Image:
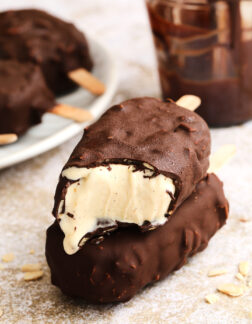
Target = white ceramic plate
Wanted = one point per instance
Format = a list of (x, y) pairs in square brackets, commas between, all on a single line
[(55, 130)]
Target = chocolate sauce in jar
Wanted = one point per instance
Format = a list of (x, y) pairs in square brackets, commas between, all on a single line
[(204, 47)]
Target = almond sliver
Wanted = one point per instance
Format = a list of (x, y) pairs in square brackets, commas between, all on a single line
[(31, 267), (244, 268), (216, 272), (211, 298), (34, 275), (231, 289)]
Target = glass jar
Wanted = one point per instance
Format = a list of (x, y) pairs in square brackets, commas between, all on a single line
[(204, 47)]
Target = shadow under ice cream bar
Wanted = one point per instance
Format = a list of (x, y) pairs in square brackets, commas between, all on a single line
[(135, 165)]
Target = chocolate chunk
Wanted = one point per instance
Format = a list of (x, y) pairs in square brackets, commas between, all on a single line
[(24, 96), (56, 46), (128, 259)]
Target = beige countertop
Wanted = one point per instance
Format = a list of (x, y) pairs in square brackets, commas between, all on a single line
[(26, 199)]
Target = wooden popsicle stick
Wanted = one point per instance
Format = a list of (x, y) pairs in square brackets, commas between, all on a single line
[(189, 102), (86, 80), (77, 114), (221, 157), (225, 153), (81, 115), (8, 138)]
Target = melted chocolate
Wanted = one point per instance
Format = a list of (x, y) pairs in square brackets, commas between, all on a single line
[(117, 266), (24, 96), (206, 53), (56, 46)]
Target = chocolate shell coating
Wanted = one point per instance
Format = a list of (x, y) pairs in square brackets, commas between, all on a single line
[(174, 140), (56, 46), (128, 259), (24, 96)]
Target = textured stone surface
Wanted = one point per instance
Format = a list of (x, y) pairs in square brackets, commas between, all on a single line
[(26, 198)]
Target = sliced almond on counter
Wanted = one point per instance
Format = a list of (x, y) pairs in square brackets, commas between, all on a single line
[(31, 267), (244, 268), (244, 220), (216, 272), (8, 257), (34, 275), (239, 276), (231, 289), (212, 298)]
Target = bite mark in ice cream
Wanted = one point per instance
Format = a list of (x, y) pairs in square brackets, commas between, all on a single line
[(102, 196)]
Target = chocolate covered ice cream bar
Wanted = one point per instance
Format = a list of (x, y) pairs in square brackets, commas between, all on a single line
[(135, 165), (24, 96), (128, 259), (35, 36)]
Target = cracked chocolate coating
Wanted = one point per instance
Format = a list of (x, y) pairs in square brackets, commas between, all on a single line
[(24, 96), (56, 46), (174, 140), (127, 260)]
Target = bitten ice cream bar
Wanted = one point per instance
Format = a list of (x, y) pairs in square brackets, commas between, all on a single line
[(134, 166), (127, 260)]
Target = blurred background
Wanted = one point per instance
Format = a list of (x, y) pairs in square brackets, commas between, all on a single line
[(27, 189), (122, 26)]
